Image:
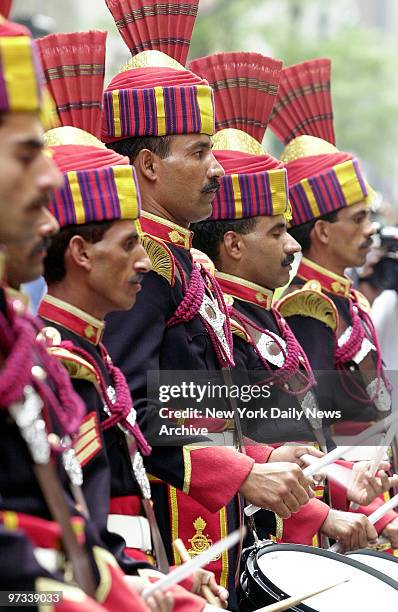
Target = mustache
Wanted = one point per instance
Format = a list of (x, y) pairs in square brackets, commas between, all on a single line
[(288, 260), (136, 278), (42, 245), (212, 185), (366, 244)]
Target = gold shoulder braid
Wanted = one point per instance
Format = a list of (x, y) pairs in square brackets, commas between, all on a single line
[(77, 367), (309, 302), (161, 257)]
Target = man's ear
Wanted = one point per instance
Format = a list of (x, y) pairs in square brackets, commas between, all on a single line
[(233, 245), (147, 164), (79, 252), (321, 231)]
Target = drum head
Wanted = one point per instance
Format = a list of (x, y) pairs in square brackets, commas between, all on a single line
[(382, 562), (292, 569)]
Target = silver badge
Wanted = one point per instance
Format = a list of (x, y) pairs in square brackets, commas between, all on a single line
[(269, 345), (131, 417), (210, 311), (382, 400), (140, 474), (27, 415), (71, 464)]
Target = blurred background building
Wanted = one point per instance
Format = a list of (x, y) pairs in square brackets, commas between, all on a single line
[(361, 37)]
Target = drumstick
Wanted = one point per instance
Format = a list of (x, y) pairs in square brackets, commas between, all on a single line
[(385, 443), (375, 516), (207, 593), (285, 604), (188, 568), (337, 453)]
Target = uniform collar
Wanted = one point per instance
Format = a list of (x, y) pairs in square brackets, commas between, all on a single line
[(333, 283), (245, 290), (72, 318), (166, 230)]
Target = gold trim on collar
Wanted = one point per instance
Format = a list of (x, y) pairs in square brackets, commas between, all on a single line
[(94, 329), (255, 294), (180, 236), (334, 283)]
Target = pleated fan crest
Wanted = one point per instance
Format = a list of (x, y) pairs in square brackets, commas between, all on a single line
[(245, 88), (5, 8), (161, 26), (74, 68), (304, 103)]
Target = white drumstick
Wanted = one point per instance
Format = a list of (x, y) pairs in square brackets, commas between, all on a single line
[(385, 443), (285, 604), (375, 516), (338, 452), (187, 569)]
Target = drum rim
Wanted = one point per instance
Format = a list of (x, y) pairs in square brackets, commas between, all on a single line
[(372, 553), (256, 553)]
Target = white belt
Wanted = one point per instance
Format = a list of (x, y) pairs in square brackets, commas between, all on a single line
[(50, 559), (135, 530)]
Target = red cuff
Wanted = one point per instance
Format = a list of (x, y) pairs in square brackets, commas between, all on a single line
[(217, 474), (302, 526)]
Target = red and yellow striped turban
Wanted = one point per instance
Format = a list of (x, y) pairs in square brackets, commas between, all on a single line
[(21, 76), (245, 87), (155, 95), (322, 179)]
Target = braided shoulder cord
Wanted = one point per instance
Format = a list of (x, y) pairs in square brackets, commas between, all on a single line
[(295, 360), (189, 308), (18, 343), (361, 321), (123, 405)]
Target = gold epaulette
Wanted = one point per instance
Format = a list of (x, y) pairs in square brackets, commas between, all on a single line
[(77, 367), (203, 260), (238, 330), (362, 301), (162, 259), (309, 301)]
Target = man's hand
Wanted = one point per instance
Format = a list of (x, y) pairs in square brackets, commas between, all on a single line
[(158, 601), (203, 577), (365, 488), (280, 487), (390, 532), (350, 530), (293, 453)]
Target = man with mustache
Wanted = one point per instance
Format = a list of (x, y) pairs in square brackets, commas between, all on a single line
[(331, 221), (247, 240), (180, 321), (40, 524)]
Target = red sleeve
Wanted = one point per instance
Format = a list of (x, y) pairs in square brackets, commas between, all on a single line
[(301, 527), (213, 475)]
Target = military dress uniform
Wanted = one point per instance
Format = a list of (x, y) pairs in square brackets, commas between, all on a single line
[(170, 328), (264, 345), (36, 428), (46, 542), (329, 318), (109, 442)]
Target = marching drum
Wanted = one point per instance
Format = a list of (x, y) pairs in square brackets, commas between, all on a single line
[(380, 561), (276, 571)]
